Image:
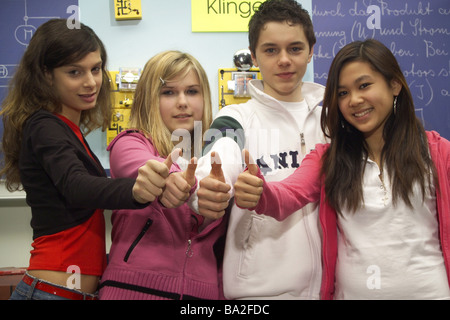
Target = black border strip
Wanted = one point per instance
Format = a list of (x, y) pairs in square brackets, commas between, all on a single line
[(155, 292)]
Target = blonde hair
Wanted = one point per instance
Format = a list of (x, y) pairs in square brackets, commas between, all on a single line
[(145, 115)]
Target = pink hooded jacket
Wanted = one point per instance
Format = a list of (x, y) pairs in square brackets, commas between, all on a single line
[(279, 199), (158, 253)]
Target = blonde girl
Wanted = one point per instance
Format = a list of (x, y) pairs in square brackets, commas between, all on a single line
[(161, 252)]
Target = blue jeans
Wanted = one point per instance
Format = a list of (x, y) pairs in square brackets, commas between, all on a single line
[(24, 291)]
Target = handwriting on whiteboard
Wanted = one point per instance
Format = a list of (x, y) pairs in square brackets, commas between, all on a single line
[(417, 33)]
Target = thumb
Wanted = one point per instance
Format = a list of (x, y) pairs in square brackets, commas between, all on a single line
[(172, 157), (251, 165), (190, 171), (216, 167)]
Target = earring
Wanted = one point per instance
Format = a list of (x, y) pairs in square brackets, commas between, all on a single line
[(395, 104)]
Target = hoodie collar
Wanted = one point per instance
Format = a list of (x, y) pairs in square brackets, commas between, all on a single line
[(312, 93)]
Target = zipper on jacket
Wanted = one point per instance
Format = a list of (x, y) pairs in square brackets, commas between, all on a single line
[(189, 251), (189, 254), (303, 143), (193, 233), (138, 238)]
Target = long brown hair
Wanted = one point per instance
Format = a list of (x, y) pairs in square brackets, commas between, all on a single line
[(53, 45), (405, 150)]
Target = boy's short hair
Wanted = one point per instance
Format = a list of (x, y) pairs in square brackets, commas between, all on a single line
[(279, 11)]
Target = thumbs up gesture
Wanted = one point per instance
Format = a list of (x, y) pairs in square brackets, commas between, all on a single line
[(213, 196), (248, 187), (178, 186), (151, 178)]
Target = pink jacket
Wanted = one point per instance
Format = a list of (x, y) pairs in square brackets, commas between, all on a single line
[(280, 199), (157, 253)]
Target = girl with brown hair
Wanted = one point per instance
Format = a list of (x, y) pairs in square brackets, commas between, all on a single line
[(60, 92), (382, 185)]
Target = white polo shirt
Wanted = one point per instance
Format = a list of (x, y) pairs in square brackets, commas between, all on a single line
[(387, 251)]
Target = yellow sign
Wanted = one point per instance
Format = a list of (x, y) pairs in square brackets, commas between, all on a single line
[(222, 15), (127, 9)]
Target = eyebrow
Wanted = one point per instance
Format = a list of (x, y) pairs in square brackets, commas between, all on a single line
[(77, 65), (358, 80), (296, 43), (166, 86)]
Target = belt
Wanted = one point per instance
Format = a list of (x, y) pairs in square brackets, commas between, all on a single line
[(56, 290)]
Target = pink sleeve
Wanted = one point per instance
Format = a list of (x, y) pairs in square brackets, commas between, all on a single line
[(282, 198), (130, 152)]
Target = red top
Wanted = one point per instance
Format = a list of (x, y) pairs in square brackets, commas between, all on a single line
[(82, 246)]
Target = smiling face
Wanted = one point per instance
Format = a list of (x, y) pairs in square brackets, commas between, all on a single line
[(78, 85), (181, 102), (366, 98), (282, 55)]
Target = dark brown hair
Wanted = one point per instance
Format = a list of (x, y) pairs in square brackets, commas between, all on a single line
[(279, 11), (405, 150), (53, 45)]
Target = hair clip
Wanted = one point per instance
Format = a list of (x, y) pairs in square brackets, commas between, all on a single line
[(162, 81)]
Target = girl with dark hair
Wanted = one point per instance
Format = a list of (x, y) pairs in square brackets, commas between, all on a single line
[(382, 183), (61, 90)]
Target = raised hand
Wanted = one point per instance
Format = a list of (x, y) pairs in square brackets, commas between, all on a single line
[(248, 187), (151, 178), (213, 196), (178, 186)]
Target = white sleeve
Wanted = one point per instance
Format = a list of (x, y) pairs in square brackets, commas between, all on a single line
[(232, 165)]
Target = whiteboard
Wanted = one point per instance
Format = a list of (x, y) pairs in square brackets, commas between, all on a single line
[(418, 34)]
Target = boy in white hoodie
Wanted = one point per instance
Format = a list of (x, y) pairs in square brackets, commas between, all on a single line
[(265, 258)]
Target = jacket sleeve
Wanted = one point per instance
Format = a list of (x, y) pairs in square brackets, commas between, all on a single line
[(440, 153), (68, 168), (227, 140), (129, 152), (282, 198)]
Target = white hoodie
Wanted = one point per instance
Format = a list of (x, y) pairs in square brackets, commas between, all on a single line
[(265, 258)]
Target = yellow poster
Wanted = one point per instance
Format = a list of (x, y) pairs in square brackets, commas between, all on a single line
[(222, 15), (128, 9)]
